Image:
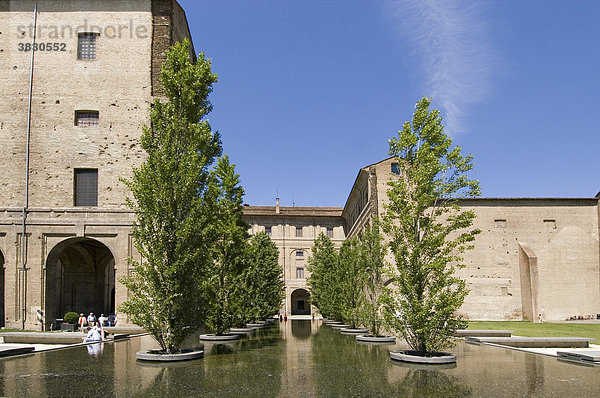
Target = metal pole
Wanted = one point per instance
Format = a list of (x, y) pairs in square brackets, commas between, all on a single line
[(25, 207)]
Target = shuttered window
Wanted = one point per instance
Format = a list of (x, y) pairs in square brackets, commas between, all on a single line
[(86, 187), (86, 46), (86, 118)]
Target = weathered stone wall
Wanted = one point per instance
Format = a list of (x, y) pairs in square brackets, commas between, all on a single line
[(118, 84), (46, 229), (561, 233)]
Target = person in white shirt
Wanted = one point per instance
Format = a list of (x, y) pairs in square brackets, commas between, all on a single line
[(93, 335)]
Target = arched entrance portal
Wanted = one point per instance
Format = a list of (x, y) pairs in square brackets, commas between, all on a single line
[(80, 277), (300, 304), (2, 313)]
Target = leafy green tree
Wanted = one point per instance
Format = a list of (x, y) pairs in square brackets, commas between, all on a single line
[(172, 227), (349, 278), (261, 290), (321, 265), (228, 254), (336, 279), (428, 231), (372, 251)]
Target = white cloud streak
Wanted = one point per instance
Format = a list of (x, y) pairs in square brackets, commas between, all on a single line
[(448, 41)]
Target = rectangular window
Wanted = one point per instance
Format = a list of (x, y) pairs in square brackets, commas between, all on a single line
[(299, 253), (268, 230), (395, 168), (87, 118), (86, 46), (86, 187), (299, 273), (298, 232), (330, 232)]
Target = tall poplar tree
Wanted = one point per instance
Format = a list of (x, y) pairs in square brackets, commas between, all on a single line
[(372, 251), (321, 266), (261, 290), (348, 280), (428, 231), (173, 211), (230, 233)]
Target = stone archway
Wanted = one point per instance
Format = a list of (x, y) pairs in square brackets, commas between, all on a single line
[(300, 303), (2, 310), (80, 277)]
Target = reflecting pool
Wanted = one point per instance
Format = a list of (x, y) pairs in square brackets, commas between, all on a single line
[(292, 359)]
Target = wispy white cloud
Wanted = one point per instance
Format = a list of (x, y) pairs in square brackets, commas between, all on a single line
[(448, 40)]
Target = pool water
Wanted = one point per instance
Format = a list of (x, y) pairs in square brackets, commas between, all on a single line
[(297, 358)]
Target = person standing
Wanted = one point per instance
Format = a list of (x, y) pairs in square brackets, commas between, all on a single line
[(81, 322), (91, 319), (103, 320)]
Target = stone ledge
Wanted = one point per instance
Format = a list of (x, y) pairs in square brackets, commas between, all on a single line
[(43, 338), (483, 333), (534, 342), (588, 356), (9, 351)]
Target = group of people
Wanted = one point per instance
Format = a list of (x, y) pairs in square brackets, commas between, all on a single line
[(583, 317), (94, 327), (91, 320)]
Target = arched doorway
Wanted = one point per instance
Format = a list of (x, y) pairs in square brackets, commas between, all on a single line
[(300, 304), (2, 313), (80, 277)]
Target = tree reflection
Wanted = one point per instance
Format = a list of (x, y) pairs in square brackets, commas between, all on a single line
[(430, 383), (249, 367)]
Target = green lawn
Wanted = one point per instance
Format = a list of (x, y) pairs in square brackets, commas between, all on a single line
[(546, 329)]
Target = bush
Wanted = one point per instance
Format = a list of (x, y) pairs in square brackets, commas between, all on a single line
[(71, 317)]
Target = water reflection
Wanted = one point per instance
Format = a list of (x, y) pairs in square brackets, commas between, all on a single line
[(534, 373), (301, 329), (430, 383), (95, 349), (292, 359)]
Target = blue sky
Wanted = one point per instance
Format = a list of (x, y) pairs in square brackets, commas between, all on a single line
[(310, 91)]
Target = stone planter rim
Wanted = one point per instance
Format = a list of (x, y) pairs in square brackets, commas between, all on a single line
[(411, 357), (354, 330), (222, 337), (186, 354), (242, 330), (255, 325), (369, 338), (340, 326)]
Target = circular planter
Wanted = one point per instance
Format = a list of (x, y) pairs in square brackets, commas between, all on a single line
[(369, 338), (354, 331), (438, 358), (220, 337), (255, 325), (185, 354), (340, 326), (242, 330), (331, 322)]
